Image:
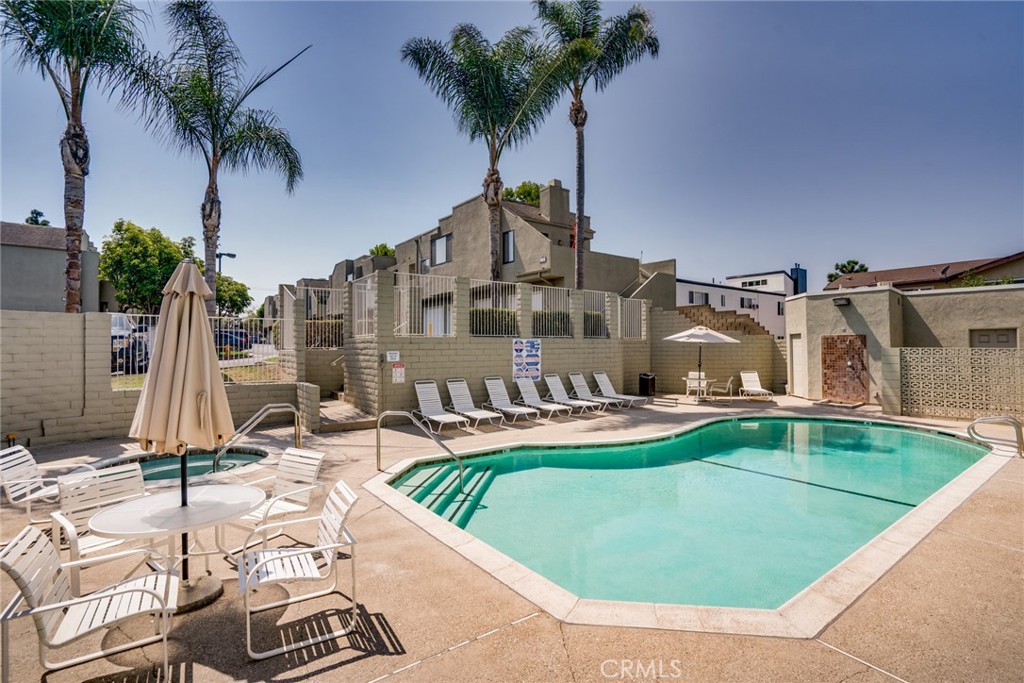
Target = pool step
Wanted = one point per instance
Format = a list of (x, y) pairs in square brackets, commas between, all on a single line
[(437, 489)]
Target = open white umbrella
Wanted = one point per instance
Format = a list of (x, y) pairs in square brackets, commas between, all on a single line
[(183, 402), (701, 335)]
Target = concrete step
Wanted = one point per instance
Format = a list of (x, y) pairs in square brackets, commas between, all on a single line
[(338, 416)]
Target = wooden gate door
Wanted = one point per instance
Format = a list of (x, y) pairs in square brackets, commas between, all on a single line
[(844, 368)]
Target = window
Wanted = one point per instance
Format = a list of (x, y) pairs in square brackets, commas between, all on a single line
[(698, 297), (723, 301), (994, 339), (746, 302), (508, 246), (441, 250), (782, 308), (753, 283)]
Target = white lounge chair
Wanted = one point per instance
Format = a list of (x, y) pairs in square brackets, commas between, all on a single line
[(498, 399), (431, 409), (582, 390), (61, 616), (752, 387), (606, 388), (301, 562), (556, 391), (528, 396), (23, 483), (462, 403)]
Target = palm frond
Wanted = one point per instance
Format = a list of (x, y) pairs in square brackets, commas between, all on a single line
[(256, 141), (626, 39), (201, 39), (263, 77)]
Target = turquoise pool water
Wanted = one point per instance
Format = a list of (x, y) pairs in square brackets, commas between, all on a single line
[(741, 513), (169, 466)]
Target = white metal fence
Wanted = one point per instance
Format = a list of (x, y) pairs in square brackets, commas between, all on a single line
[(494, 311), (551, 317), (324, 317), (364, 306), (595, 314), (631, 319), (249, 350), (424, 305)]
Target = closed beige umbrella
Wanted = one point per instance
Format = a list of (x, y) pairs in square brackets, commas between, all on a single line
[(183, 402)]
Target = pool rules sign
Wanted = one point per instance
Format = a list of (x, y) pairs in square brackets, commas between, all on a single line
[(526, 359)]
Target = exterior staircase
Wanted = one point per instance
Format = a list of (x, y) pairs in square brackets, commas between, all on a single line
[(338, 416), (723, 321)]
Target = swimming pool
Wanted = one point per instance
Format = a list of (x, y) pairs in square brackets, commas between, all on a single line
[(159, 467), (739, 513)]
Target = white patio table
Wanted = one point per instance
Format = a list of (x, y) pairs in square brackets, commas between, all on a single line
[(163, 515)]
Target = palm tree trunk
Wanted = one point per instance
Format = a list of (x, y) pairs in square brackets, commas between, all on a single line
[(210, 210), (492, 195), (74, 153), (578, 117)]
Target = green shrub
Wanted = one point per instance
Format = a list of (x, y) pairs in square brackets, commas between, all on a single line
[(552, 324), (593, 324), (493, 322)]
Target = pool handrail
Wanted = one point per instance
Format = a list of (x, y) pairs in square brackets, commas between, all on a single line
[(251, 423), (425, 430), (1012, 421)]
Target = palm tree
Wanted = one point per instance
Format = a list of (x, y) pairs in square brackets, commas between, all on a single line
[(75, 44), (499, 93), (617, 42), (195, 100), (845, 268)]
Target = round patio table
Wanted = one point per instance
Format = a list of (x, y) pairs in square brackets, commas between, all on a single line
[(163, 515)]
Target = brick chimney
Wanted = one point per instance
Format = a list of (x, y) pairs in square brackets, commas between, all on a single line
[(554, 203)]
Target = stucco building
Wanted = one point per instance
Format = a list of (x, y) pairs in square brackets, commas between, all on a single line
[(32, 261)]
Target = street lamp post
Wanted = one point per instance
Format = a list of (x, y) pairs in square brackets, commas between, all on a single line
[(221, 254)]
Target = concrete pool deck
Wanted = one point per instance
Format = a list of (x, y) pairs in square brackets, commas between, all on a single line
[(950, 609)]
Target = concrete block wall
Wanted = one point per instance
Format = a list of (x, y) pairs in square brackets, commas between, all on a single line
[(319, 370), (55, 381), (361, 365), (889, 392), (308, 402)]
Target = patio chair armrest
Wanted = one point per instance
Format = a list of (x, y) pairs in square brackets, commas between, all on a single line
[(46, 482), (99, 559), (261, 481), (93, 597), (61, 523), (296, 552), (273, 525), (277, 499), (83, 467)]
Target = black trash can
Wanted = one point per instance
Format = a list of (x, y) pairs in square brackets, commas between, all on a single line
[(647, 384)]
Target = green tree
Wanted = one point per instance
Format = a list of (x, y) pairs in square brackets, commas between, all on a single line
[(139, 262), (617, 42), (499, 93), (232, 296), (195, 100), (382, 249), (76, 44), (35, 217), (851, 266), (528, 192)]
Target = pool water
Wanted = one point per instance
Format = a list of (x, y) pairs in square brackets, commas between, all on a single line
[(169, 466), (740, 513)]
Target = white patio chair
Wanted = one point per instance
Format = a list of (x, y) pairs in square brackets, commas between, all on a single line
[(752, 387), (581, 390), (295, 482), (694, 383), (301, 562), (606, 388), (431, 409), (82, 495), (23, 483), (528, 396), (557, 392), (61, 616), (721, 390), (462, 403), (498, 399)]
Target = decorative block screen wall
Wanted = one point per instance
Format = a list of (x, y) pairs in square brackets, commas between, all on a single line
[(963, 383)]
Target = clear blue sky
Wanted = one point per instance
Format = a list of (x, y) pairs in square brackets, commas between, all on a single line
[(766, 133)]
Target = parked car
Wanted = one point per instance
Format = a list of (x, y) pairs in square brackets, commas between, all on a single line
[(129, 345), (234, 340)]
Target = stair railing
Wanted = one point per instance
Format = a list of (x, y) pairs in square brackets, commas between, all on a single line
[(251, 423), (972, 430), (425, 430)]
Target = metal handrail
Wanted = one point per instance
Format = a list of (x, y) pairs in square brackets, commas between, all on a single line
[(251, 423), (1012, 421), (425, 430)]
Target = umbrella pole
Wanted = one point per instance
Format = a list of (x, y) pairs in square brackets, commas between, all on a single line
[(700, 377), (184, 503)]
